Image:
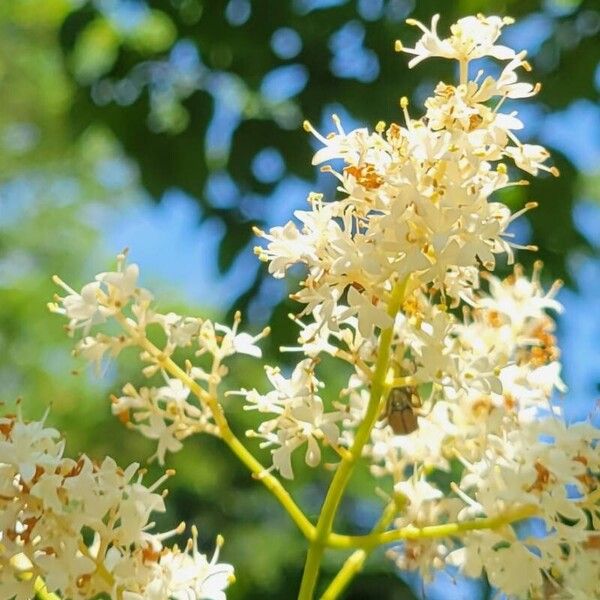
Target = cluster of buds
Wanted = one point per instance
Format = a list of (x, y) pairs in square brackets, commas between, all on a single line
[(451, 372), (80, 529)]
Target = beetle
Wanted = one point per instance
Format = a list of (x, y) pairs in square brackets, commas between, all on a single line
[(400, 410)]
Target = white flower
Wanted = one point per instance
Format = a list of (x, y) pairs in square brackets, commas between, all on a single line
[(472, 37), (476, 552), (121, 285), (286, 246), (356, 147), (84, 310), (180, 331), (507, 84), (418, 492), (190, 575), (412, 214), (30, 445), (175, 392), (520, 299), (231, 342), (530, 158), (369, 315), (157, 429), (239, 343), (300, 417), (508, 561), (65, 565)]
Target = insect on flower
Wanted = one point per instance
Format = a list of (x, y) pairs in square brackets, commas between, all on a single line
[(400, 410)]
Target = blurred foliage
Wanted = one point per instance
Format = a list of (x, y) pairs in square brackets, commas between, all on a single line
[(106, 102), (50, 179)]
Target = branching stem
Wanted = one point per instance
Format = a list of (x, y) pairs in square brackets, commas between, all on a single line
[(379, 536), (321, 536), (235, 445), (344, 471), (410, 532), (354, 563)]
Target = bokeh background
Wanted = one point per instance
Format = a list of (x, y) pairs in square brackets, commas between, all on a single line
[(172, 126)]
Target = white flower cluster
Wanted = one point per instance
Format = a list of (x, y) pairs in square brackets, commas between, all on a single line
[(299, 416), (414, 213), (84, 528), (414, 207), (165, 413), (488, 416), (414, 197)]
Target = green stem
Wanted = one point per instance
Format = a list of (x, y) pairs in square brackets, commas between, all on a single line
[(235, 445), (354, 563), (344, 470), (372, 540)]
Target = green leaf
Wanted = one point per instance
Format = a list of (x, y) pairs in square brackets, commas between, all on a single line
[(96, 50), (588, 187), (156, 33)]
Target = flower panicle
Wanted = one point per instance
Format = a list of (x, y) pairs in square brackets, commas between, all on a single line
[(84, 528), (166, 413)]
